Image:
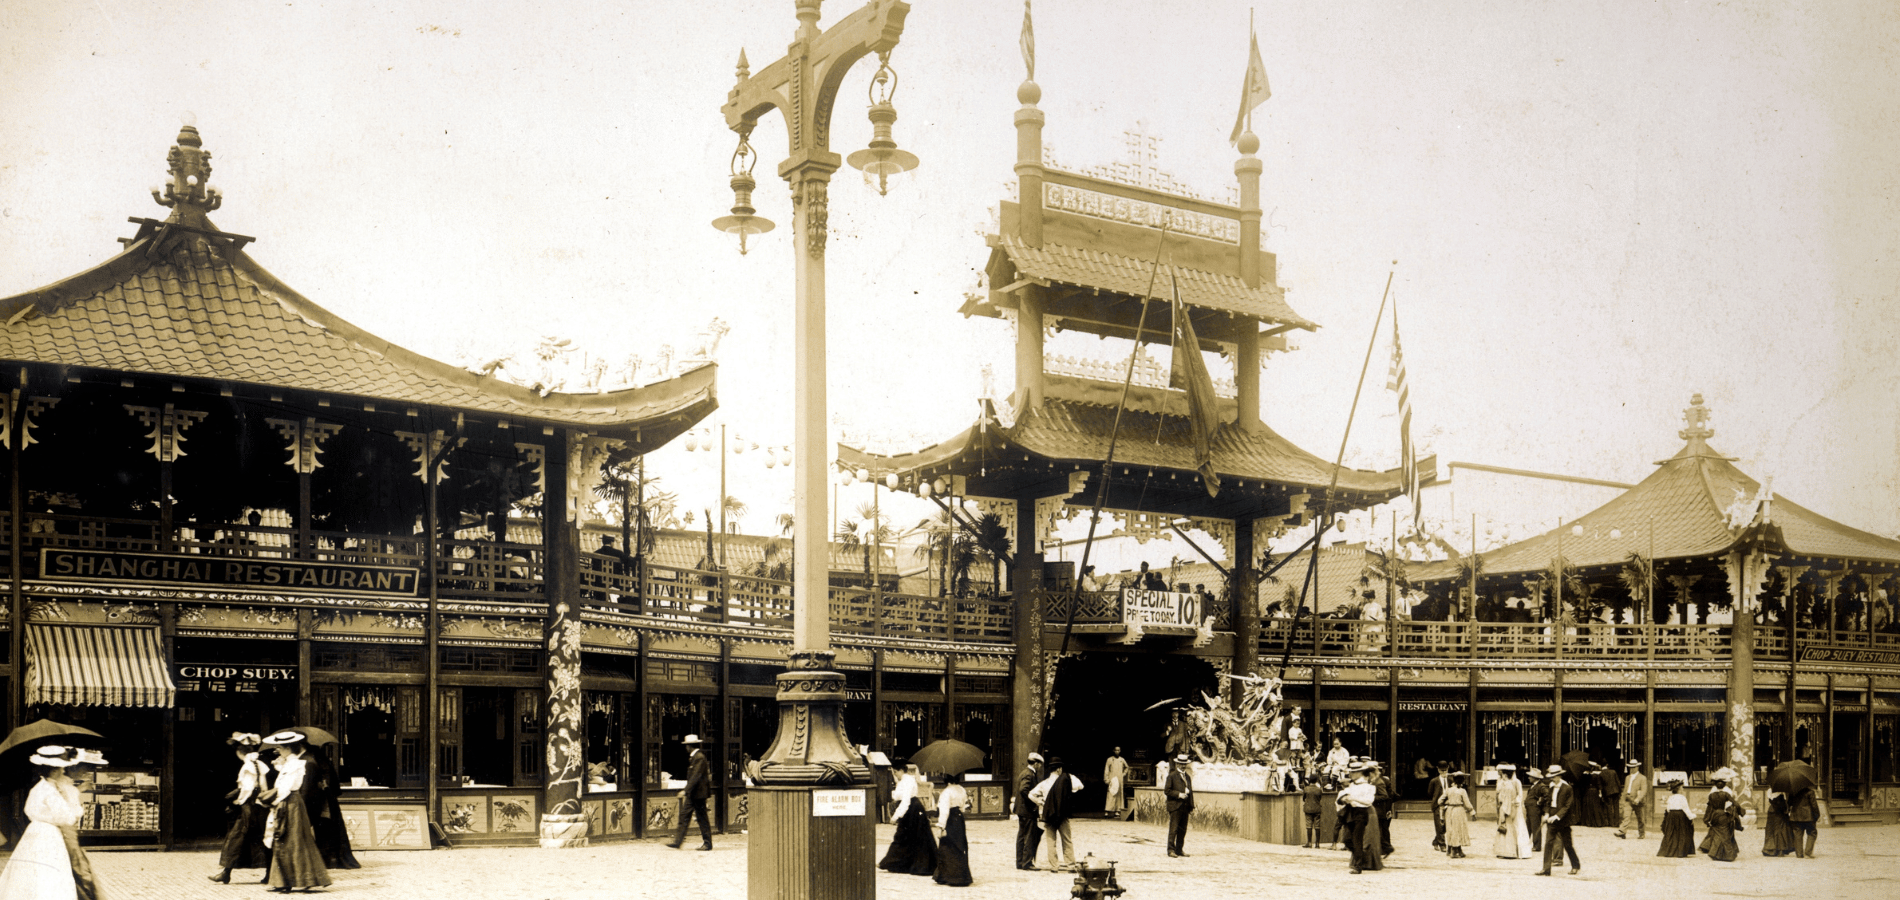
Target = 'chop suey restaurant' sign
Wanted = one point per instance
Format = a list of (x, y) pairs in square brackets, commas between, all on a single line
[(231, 573), (1158, 609)]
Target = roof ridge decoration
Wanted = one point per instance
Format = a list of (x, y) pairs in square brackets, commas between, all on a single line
[(183, 299), (188, 194)]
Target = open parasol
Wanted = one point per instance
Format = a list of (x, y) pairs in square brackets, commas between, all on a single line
[(47, 731), (947, 756), (1792, 777), (316, 736), (1576, 762)]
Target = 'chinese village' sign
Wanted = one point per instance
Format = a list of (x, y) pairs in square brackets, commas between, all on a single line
[(274, 575), (1850, 655)]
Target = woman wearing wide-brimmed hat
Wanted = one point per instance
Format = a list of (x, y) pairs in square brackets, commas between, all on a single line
[(47, 863), (295, 861), (244, 846), (1719, 798), (1678, 827), (1514, 836)]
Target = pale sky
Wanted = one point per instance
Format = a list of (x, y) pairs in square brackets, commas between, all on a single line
[(1597, 209)]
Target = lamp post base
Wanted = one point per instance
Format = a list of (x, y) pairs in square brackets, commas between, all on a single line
[(796, 853)]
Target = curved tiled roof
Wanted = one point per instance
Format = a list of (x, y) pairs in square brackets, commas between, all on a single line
[(1682, 508), (191, 306), (1131, 276), (1068, 431)]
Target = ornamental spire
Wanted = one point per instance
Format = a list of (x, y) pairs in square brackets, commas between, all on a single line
[(1697, 417), (187, 193)]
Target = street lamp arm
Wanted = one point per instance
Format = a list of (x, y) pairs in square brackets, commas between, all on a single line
[(817, 65)]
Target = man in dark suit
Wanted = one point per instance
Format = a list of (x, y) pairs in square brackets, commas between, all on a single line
[(1180, 791), (1534, 798), (1028, 832), (698, 789), (1436, 790), (1560, 812)]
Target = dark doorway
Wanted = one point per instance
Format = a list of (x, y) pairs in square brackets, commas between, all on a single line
[(1605, 747), (487, 747), (1433, 736), (224, 686), (1847, 770), (1102, 701)]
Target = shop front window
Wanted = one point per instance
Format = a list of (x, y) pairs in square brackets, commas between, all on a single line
[(604, 743)]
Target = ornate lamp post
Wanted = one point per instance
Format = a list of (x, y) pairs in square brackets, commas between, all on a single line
[(812, 821)]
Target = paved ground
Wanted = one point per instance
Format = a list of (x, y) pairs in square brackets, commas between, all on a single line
[(1853, 863)]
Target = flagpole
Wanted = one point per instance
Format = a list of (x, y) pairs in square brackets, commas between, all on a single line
[(1114, 431)]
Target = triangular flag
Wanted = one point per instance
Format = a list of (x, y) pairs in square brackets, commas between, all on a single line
[(1252, 93), (1029, 42)]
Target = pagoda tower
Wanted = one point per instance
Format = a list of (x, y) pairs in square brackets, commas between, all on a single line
[(1101, 254)]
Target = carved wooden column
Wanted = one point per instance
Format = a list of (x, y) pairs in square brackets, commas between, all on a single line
[(569, 479), (1747, 572)]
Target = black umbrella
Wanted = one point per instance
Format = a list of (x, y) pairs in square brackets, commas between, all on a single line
[(1792, 777), (947, 756), (1576, 762), (47, 731), (23, 741)]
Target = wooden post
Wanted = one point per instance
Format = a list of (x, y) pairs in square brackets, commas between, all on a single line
[(16, 503), (952, 726), (168, 780), (306, 629), (727, 728), (1649, 722), (563, 823), (638, 771), (1244, 610), (1030, 701), (1557, 715), (431, 635)]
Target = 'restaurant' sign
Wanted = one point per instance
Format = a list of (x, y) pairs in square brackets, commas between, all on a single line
[(1155, 609), (1850, 655), (235, 573)]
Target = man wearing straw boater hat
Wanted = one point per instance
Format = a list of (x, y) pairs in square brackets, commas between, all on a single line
[(1560, 812), (1635, 798), (693, 797)]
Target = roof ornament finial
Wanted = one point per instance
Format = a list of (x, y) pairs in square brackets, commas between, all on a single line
[(1697, 417), (188, 191)]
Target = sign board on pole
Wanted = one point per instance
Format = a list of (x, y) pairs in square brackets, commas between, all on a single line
[(837, 803)]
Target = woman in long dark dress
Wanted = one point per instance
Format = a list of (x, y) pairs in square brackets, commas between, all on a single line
[(1678, 827), (326, 816), (1723, 823), (244, 842), (953, 850), (1594, 813), (1777, 838), (294, 861), (913, 851), (1719, 797), (1356, 811)]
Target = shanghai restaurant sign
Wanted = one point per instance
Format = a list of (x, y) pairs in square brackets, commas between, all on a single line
[(229, 573), (1158, 609), (1850, 655)]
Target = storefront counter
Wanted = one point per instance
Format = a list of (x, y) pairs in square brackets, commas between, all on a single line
[(384, 819), (489, 814)]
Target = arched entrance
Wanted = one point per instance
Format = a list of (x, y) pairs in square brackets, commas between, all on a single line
[(1102, 701)]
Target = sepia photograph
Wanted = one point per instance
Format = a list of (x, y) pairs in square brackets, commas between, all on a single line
[(801, 449)]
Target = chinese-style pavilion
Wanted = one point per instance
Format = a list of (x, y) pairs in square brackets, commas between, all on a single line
[(1810, 654), (1082, 252)]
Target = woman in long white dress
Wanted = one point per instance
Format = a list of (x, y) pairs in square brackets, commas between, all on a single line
[(47, 863), (1514, 836)]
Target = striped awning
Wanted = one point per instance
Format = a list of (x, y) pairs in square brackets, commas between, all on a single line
[(103, 665)]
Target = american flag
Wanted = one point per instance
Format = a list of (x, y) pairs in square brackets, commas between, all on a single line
[(1395, 381)]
